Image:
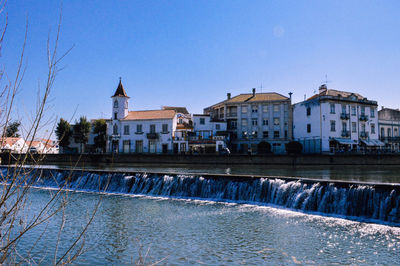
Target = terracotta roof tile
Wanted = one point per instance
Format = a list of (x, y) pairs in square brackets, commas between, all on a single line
[(9, 141), (181, 110), (336, 93), (150, 115)]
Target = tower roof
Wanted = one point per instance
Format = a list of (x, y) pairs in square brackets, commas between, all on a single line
[(120, 90)]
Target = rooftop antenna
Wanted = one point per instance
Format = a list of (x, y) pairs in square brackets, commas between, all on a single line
[(326, 80)]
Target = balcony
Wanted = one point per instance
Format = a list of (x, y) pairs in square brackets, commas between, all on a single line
[(363, 135), (344, 116), (390, 139), (345, 134), (152, 135), (231, 115), (363, 117)]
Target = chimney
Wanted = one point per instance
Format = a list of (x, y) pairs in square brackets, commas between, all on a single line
[(323, 88), (254, 92), (228, 95)]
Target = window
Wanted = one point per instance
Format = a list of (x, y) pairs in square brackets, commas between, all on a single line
[(333, 125), (353, 110), (202, 121), (372, 128), (389, 132), (396, 133), (276, 134), (343, 109), (276, 107), (217, 127), (265, 122), (254, 134), (115, 104), (254, 108), (353, 127), (152, 128), (265, 108), (362, 110), (286, 134), (233, 124), (344, 126), (265, 134), (115, 115), (363, 128), (165, 128), (332, 108), (276, 121), (382, 132), (126, 130), (139, 128), (139, 146), (244, 122), (244, 109), (308, 111), (372, 112), (308, 128), (254, 122), (180, 121), (115, 129)]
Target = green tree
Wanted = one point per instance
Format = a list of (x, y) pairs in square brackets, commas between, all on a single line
[(12, 129), (81, 132), (100, 140), (63, 133)]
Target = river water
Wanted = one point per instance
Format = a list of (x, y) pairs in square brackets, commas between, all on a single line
[(184, 231)]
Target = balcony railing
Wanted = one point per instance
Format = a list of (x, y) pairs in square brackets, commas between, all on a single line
[(152, 135), (363, 117), (345, 116), (390, 139), (231, 114), (363, 135), (345, 133)]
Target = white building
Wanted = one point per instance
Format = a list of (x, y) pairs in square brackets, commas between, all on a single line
[(209, 135), (333, 120), (15, 145), (389, 128), (150, 131), (253, 119)]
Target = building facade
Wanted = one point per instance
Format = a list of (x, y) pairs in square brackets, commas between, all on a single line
[(334, 121), (149, 131), (389, 128), (254, 119), (209, 135)]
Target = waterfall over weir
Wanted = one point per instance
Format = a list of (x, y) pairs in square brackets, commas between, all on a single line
[(379, 202)]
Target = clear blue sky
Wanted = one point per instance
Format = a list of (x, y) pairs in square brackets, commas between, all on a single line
[(191, 53)]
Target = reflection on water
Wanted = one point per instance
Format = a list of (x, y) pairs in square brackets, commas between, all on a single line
[(186, 232), (385, 174)]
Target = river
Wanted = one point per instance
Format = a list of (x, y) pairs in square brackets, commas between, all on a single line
[(185, 231)]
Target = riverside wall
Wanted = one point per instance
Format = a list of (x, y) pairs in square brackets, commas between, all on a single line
[(270, 159)]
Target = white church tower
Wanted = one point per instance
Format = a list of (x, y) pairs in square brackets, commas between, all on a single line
[(119, 103)]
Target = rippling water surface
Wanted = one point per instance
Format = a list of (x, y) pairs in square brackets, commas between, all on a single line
[(182, 232)]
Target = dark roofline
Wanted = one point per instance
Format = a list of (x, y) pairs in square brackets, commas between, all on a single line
[(120, 92), (250, 94)]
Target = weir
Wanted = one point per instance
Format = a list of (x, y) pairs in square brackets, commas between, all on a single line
[(352, 200)]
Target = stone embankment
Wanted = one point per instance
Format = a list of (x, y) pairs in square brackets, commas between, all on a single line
[(270, 159)]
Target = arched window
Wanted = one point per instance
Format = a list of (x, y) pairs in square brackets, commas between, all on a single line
[(115, 129), (126, 104), (115, 104)]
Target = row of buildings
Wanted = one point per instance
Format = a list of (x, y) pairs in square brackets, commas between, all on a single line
[(20, 145), (329, 121)]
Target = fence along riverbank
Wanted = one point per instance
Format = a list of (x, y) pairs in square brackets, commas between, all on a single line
[(352, 200)]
